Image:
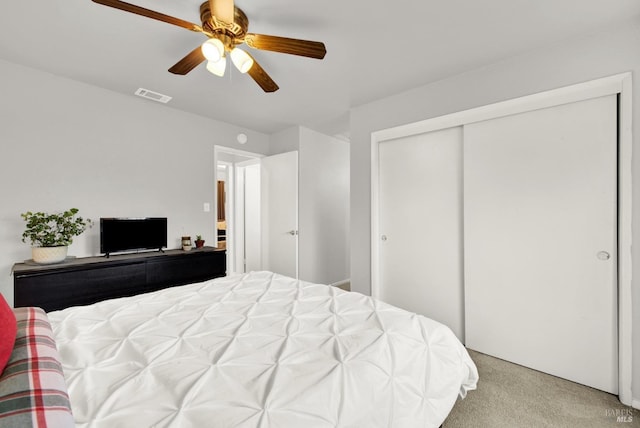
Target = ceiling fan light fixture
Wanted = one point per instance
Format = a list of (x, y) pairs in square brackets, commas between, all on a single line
[(213, 49), (217, 67), (226, 26), (241, 60)]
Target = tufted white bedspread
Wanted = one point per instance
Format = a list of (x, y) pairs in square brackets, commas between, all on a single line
[(258, 350)]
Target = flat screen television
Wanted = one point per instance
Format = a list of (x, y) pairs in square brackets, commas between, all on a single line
[(129, 234)]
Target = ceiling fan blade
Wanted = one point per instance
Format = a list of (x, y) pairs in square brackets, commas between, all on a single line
[(127, 7), (189, 62), (261, 77), (223, 10), (286, 45)]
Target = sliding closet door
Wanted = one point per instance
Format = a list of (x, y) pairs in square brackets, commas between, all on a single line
[(420, 223), (540, 240)]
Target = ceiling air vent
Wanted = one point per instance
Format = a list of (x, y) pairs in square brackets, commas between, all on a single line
[(155, 96)]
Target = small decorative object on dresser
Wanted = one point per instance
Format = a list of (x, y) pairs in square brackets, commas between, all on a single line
[(51, 234), (199, 241), (186, 243)]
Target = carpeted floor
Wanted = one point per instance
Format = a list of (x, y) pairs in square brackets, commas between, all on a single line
[(512, 396)]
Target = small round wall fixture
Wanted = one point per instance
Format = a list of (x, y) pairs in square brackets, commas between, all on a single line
[(242, 138)]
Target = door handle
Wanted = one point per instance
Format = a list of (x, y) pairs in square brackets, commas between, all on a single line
[(603, 255), (293, 232)]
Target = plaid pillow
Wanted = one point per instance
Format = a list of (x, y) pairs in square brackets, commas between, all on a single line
[(33, 392)]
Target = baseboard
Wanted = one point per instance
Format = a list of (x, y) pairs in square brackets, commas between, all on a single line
[(345, 284), (635, 404)]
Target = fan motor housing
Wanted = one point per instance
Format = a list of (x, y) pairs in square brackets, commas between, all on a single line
[(237, 29)]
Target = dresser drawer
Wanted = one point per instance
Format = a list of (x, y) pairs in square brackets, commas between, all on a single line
[(55, 290)]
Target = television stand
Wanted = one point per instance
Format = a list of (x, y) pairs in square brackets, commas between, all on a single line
[(86, 280)]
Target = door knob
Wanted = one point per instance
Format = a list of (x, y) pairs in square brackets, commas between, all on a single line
[(293, 232), (603, 255), (383, 237)]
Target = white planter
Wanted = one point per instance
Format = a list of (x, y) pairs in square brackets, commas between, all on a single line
[(47, 255)]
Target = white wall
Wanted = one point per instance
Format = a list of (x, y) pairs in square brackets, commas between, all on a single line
[(574, 61), (287, 140), (323, 213), (65, 144)]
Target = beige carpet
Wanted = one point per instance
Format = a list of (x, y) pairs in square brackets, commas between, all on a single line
[(513, 396)]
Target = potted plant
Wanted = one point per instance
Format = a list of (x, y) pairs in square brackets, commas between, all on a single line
[(199, 241), (51, 234)]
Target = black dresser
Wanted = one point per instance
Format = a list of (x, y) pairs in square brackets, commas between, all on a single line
[(86, 280)]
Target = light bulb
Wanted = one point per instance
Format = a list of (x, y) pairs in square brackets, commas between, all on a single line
[(217, 67), (241, 60), (213, 49)]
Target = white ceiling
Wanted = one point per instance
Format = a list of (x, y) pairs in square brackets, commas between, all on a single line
[(374, 49)]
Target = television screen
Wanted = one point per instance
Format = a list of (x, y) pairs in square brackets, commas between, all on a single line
[(127, 234)]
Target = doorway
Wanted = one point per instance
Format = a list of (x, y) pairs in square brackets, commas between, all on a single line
[(260, 210), (222, 182), (229, 227)]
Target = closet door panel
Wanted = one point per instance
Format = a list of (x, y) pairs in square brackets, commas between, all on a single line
[(540, 240), (420, 223)]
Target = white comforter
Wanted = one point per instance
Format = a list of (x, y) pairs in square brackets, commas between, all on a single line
[(258, 350)]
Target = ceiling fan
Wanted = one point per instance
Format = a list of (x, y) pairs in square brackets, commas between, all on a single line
[(226, 27)]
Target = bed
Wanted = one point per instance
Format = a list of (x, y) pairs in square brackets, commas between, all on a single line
[(258, 350)]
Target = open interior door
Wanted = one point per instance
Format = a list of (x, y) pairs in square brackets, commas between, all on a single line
[(279, 213), (267, 214)]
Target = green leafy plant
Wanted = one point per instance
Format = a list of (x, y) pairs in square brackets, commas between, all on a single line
[(198, 237), (52, 230)]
